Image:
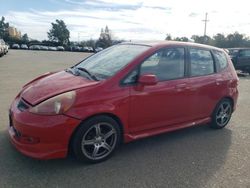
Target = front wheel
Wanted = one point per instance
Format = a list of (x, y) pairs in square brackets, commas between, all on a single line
[(222, 114), (96, 139)]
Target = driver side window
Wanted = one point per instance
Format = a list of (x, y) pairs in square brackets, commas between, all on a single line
[(166, 64)]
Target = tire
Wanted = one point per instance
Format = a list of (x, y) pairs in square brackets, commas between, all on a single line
[(222, 114), (96, 139)]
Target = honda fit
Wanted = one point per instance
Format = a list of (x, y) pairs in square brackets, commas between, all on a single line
[(123, 93)]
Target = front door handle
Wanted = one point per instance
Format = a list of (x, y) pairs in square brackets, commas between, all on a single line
[(180, 87)]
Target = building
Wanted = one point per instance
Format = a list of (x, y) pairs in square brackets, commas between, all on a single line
[(14, 33)]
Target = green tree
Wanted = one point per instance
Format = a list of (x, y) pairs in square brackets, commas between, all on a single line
[(168, 37), (220, 40), (235, 40), (4, 29), (25, 38), (59, 33), (105, 39), (202, 39)]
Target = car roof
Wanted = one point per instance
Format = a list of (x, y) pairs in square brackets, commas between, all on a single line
[(170, 43)]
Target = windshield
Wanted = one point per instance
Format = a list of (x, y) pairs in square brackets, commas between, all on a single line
[(108, 62)]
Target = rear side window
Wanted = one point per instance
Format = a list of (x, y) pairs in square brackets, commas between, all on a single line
[(221, 60), (201, 62)]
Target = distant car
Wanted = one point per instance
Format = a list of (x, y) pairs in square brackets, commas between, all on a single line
[(16, 46), (3, 48), (44, 47), (34, 47), (91, 49), (52, 48), (127, 92), (24, 47), (240, 58), (85, 49), (60, 48), (76, 49), (98, 49)]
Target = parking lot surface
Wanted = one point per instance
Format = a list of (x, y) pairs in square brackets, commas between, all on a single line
[(193, 157)]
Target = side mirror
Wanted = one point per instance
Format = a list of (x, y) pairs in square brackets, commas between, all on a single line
[(148, 79)]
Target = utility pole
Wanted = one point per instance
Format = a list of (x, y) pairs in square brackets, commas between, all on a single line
[(205, 29)]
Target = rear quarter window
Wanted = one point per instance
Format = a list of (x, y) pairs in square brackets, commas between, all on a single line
[(221, 60)]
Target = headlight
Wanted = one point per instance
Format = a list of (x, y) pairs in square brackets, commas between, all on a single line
[(55, 105)]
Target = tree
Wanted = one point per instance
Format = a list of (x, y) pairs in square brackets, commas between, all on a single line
[(25, 38), (219, 40), (105, 39), (4, 29), (168, 37), (235, 39), (202, 39), (59, 33)]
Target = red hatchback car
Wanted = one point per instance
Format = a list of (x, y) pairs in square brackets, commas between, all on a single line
[(126, 92)]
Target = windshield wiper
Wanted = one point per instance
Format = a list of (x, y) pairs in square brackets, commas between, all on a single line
[(86, 71), (70, 71)]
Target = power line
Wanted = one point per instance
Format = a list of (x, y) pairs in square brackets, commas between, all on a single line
[(206, 20)]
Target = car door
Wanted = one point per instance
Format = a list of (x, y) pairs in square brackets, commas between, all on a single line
[(165, 103), (204, 82)]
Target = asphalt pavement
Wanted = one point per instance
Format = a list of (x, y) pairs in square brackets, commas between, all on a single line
[(193, 157)]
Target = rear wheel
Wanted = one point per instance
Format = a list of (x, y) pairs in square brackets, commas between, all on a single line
[(222, 114), (96, 139)]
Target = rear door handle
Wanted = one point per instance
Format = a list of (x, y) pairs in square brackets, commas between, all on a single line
[(218, 81)]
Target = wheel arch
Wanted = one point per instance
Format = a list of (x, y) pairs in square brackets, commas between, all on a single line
[(113, 116)]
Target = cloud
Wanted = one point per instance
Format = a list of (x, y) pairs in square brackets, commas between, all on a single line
[(193, 14), (137, 19)]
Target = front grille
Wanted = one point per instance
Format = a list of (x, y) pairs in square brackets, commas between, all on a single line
[(22, 106)]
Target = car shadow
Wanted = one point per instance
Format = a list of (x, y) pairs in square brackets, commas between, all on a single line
[(185, 158)]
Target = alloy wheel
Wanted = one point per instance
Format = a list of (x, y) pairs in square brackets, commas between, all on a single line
[(99, 141), (223, 114)]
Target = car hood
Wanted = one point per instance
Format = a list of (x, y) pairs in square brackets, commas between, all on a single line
[(53, 84)]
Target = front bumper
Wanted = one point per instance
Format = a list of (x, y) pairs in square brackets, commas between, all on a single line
[(39, 136)]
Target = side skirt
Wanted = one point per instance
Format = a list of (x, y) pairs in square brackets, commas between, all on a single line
[(151, 132)]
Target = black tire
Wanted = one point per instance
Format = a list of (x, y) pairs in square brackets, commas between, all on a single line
[(96, 139), (222, 114)]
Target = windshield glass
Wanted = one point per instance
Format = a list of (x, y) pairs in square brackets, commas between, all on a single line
[(108, 62)]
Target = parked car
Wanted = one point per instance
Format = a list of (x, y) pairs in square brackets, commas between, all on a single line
[(126, 92), (60, 48), (98, 49), (84, 49), (240, 58), (2, 47), (52, 48), (76, 49), (34, 47), (44, 47), (24, 47), (16, 46)]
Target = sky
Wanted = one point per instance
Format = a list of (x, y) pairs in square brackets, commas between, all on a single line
[(128, 19)]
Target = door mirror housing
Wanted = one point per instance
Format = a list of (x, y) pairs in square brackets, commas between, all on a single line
[(148, 79)]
